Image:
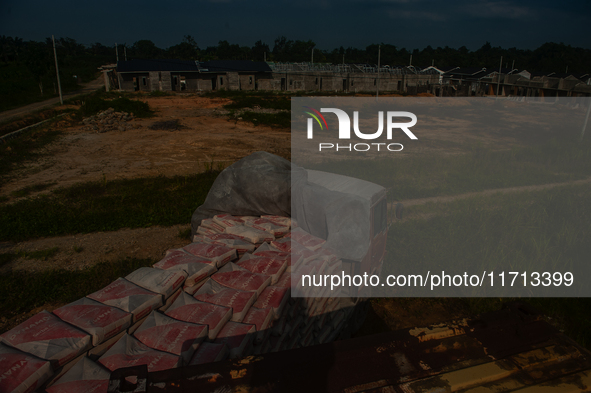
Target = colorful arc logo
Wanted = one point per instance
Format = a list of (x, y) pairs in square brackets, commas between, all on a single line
[(316, 117)]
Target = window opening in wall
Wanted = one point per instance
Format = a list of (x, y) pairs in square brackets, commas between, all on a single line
[(221, 80), (250, 80), (144, 80)]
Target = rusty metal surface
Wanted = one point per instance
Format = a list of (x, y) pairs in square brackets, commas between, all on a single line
[(509, 350)]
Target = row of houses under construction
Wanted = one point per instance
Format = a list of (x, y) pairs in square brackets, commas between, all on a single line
[(195, 76)]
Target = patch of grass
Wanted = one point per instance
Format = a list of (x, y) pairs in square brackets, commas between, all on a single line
[(279, 119), (78, 249), (6, 258), (40, 254), (22, 291), (529, 231), (185, 234), (477, 170), (27, 147), (95, 104), (25, 191), (4, 198), (106, 206)]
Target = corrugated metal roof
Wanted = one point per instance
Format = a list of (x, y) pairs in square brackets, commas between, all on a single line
[(193, 66), (156, 65), (235, 66)]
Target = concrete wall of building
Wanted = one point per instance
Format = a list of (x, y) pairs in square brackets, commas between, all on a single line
[(142, 80), (351, 82)]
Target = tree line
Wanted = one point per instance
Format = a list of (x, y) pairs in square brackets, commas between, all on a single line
[(28, 66)]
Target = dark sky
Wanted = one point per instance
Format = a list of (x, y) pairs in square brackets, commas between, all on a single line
[(329, 23)]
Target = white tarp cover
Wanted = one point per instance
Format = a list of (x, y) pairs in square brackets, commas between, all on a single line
[(238, 301), (188, 309), (164, 282), (332, 207), (86, 376), (100, 320), (21, 372), (169, 335), (48, 337), (129, 351), (128, 297), (234, 276), (196, 268)]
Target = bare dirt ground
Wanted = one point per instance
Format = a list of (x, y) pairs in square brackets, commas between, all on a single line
[(207, 138)]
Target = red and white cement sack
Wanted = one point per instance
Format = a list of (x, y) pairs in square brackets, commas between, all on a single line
[(86, 376), (169, 335), (268, 266), (128, 297), (305, 239), (188, 309), (236, 277), (298, 251), (99, 320), (129, 351), (238, 301), (206, 231), (267, 226), (280, 220), (274, 298), (216, 253), (227, 220), (21, 372), (164, 282), (210, 353), (261, 319), (265, 250), (237, 336), (48, 337), (211, 224), (255, 236), (238, 243), (196, 268)]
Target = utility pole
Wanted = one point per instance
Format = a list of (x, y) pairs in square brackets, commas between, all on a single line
[(499, 77), (125, 52), (116, 52), (378, 78), (513, 65), (265, 57), (410, 62), (57, 72), (312, 56)]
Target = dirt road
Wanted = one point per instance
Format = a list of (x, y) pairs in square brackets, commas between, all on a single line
[(24, 110)]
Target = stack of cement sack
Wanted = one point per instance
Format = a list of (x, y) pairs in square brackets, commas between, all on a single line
[(228, 294)]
